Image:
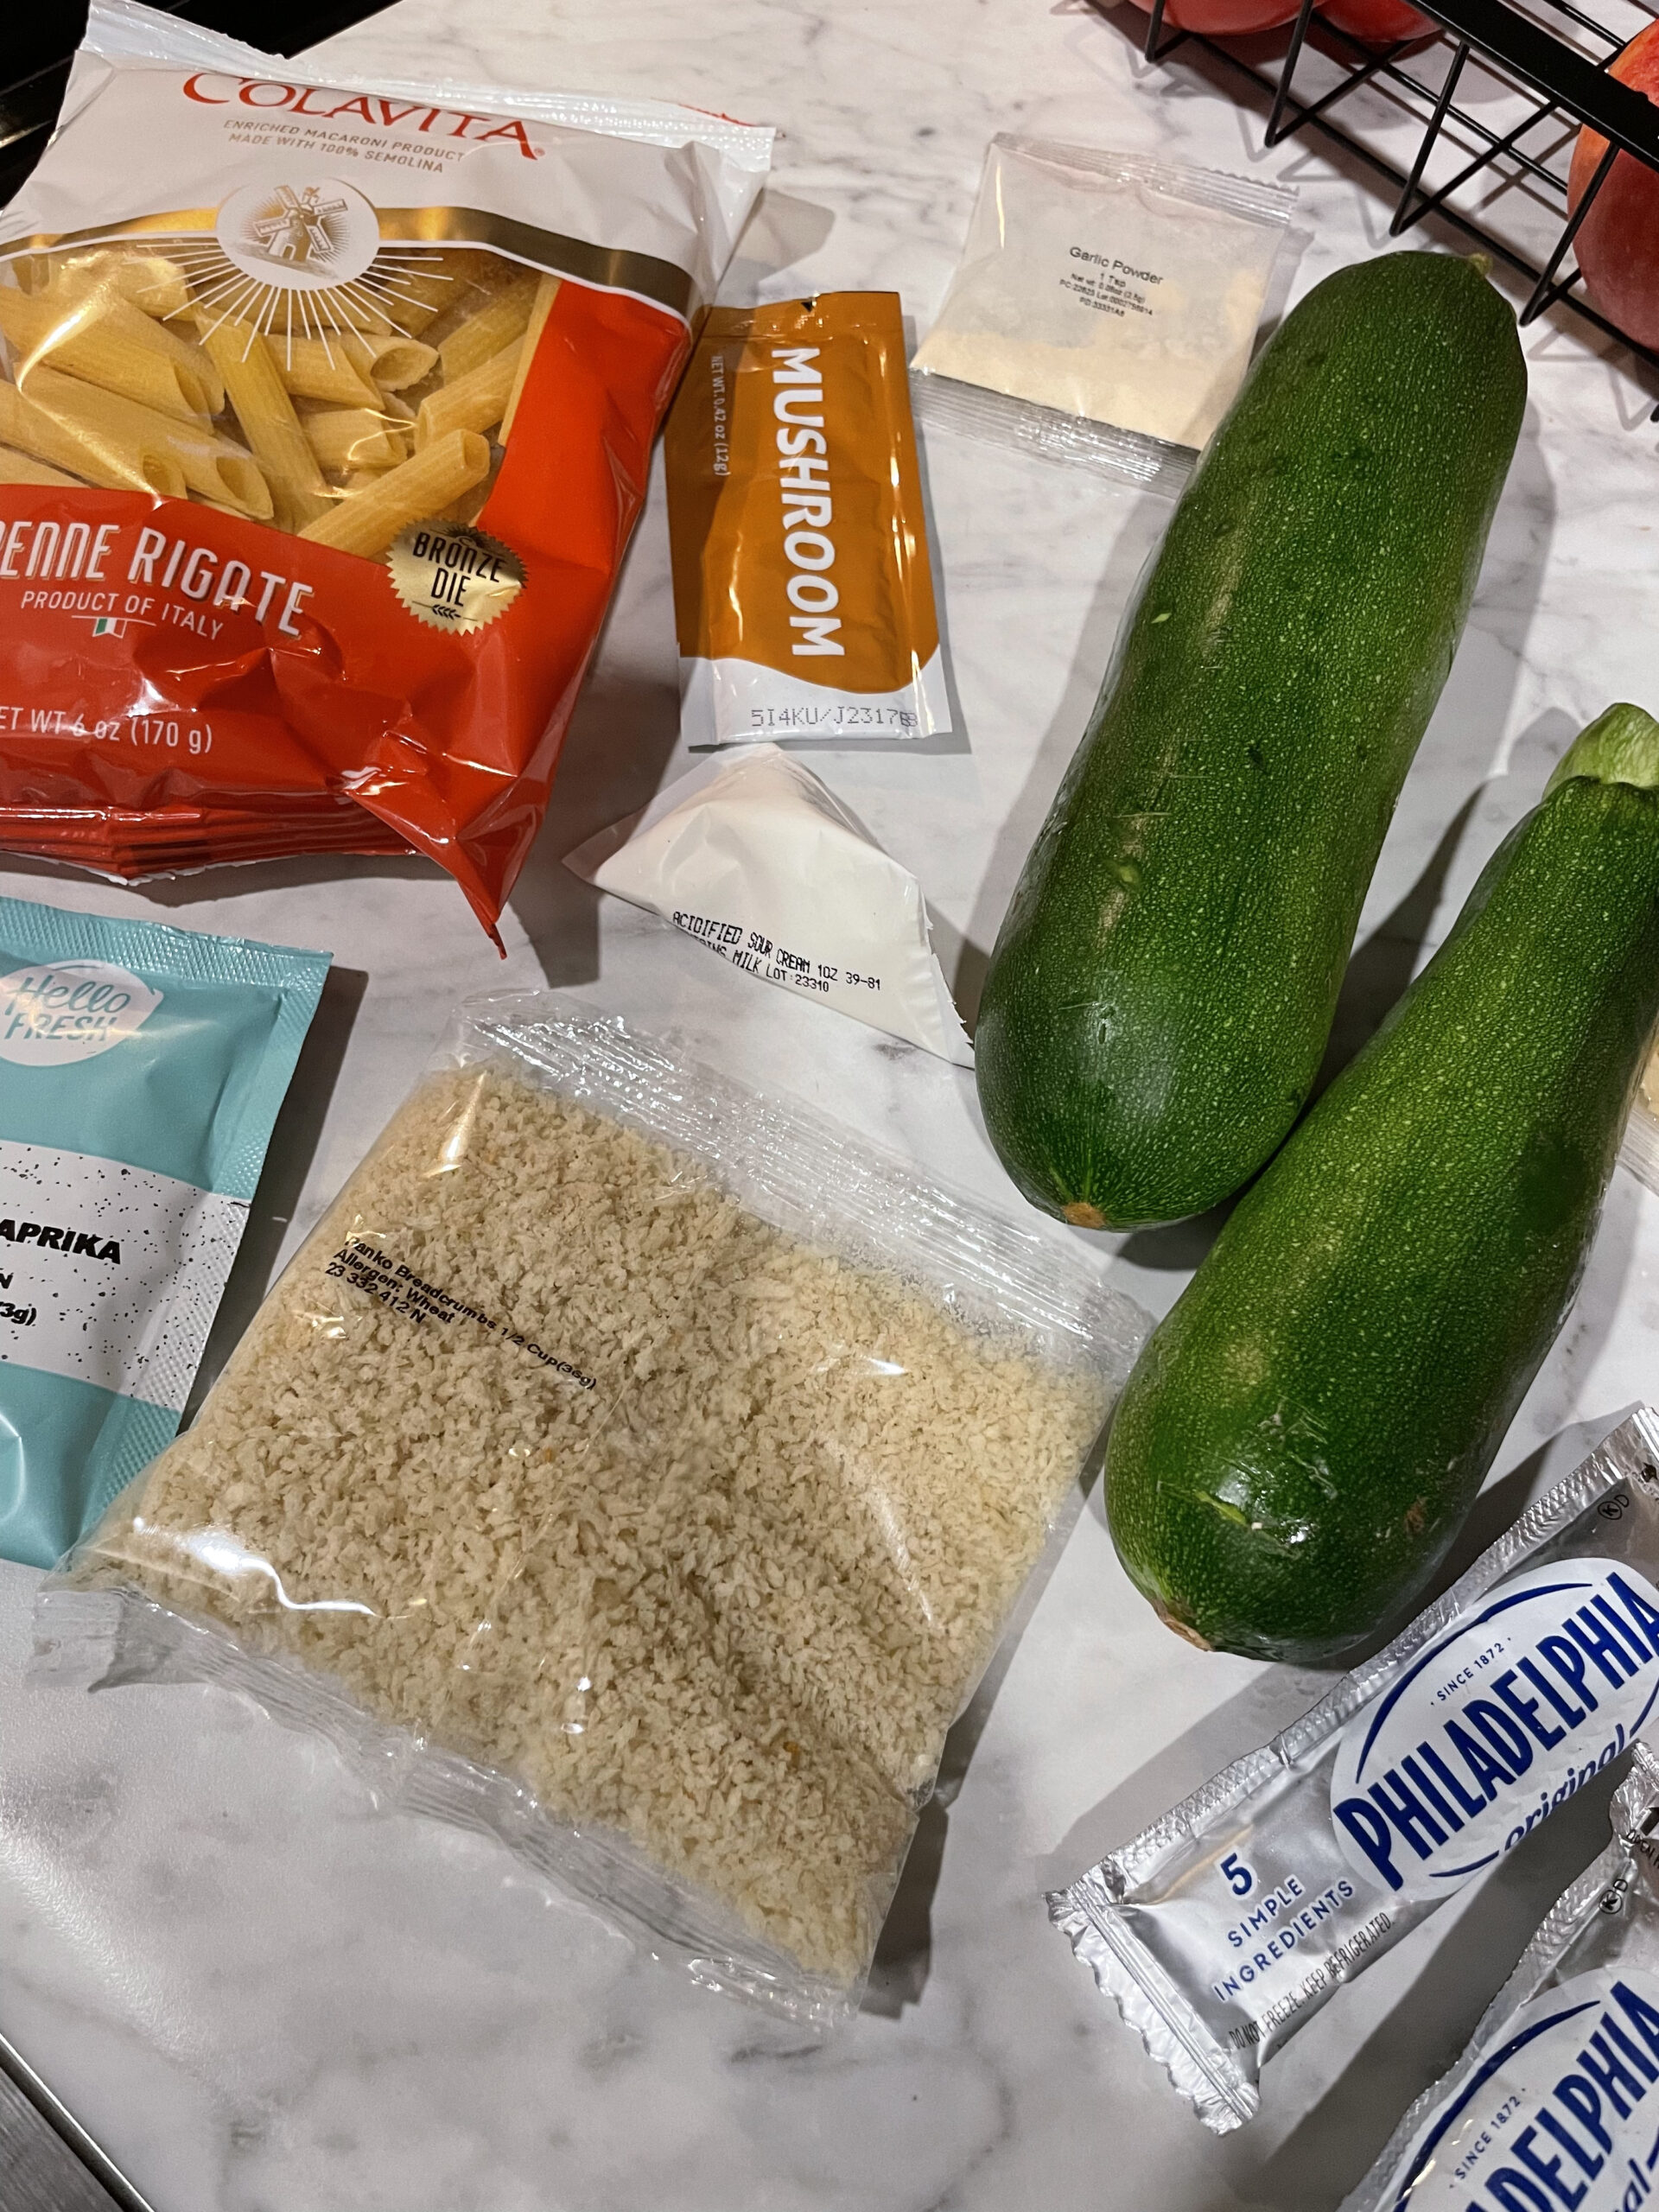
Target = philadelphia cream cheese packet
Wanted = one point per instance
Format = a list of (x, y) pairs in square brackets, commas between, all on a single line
[(1554, 2106), (1225, 1926)]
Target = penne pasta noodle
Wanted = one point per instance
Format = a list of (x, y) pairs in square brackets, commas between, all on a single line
[(18, 468), (110, 342), (547, 291), (476, 401), (354, 437), (149, 281), (395, 362), (367, 522), (350, 370), (468, 507), (311, 370), (113, 440), (153, 283), (496, 324), (441, 289), (269, 423), (358, 314), (32, 271), (119, 464)]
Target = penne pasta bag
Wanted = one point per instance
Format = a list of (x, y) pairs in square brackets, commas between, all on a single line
[(326, 414)]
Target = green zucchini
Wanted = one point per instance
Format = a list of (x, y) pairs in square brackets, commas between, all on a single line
[(1305, 1430), (1160, 994)]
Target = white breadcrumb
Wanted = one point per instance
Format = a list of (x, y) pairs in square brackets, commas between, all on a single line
[(721, 1583)]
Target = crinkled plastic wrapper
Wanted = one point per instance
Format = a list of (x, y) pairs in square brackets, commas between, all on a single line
[(1104, 308), (1223, 1930), (326, 414), (636, 1467), (1555, 2103), (1640, 1150)]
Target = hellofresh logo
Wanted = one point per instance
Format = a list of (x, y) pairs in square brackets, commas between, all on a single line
[(54, 1013)]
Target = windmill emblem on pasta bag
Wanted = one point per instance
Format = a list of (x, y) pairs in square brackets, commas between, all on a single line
[(296, 228), (280, 236)]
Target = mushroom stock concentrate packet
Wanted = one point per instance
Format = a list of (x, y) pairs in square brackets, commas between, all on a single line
[(326, 414), (1225, 1926), (803, 595), (141, 1072)]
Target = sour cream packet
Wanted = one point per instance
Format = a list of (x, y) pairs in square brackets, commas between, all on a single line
[(1226, 1926), (762, 863), (1553, 2103), (141, 1071)]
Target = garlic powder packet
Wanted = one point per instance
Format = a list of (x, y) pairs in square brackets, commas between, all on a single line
[(1104, 306), (762, 862)]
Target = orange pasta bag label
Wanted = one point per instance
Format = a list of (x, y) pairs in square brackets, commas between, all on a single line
[(803, 598), (325, 416)]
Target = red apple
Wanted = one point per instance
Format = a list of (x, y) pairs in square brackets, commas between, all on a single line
[(1225, 18), (1618, 243), (1377, 22)]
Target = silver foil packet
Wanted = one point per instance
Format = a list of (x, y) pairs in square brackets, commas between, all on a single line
[(1225, 1926), (1554, 2106)]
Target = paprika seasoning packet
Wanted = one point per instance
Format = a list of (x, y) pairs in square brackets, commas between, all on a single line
[(803, 594), (326, 413), (141, 1069)]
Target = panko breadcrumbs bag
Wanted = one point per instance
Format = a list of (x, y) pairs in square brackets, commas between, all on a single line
[(664, 1460)]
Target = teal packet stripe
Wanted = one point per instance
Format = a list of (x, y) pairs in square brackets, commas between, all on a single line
[(127, 1157)]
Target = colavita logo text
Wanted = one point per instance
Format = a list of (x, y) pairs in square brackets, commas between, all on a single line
[(214, 90)]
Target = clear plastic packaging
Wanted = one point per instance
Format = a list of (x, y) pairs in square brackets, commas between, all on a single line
[(636, 1467), (1225, 1928), (1640, 1150), (1553, 2105), (325, 414), (1104, 308)]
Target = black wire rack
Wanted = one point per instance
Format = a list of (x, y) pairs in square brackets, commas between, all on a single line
[(1484, 64)]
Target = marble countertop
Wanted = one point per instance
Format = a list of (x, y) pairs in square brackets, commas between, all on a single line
[(266, 1995)]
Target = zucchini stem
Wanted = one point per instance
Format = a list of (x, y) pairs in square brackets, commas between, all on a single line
[(1621, 746)]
